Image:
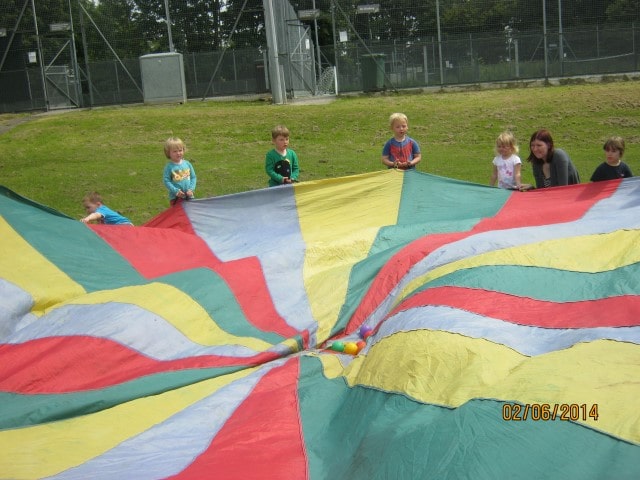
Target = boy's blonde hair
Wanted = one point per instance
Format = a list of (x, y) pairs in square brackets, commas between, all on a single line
[(507, 139), (173, 143), (93, 197), (614, 143), (279, 130), (397, 117)]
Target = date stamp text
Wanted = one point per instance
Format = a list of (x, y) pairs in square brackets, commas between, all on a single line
[(549, 412)]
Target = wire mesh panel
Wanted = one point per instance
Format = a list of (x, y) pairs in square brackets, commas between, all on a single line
[(32, 47), (449, 42), (65, 53)]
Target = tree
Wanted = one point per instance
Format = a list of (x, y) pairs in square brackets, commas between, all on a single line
[(623, 11), (250, 29), (115, 21)]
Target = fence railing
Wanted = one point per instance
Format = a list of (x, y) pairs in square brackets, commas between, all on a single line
[(374, 66)]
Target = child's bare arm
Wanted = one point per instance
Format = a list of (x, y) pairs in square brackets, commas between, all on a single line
[(92, 217)]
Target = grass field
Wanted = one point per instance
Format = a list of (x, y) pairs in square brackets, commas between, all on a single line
[(56, 158)]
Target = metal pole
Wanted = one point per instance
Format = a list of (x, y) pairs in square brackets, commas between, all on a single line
[(560, 38), (224, 50), (425, 61), (235, 67), (275, 73), (195, 70), (40, 58), (633, 41), (439, 41), (544, 39), (166, 9), (335, 44), (13, 34), (115, 54), (85, 48), (315, 27), (74, 60)]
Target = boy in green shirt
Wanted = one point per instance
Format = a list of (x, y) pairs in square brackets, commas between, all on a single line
[(281, 163)]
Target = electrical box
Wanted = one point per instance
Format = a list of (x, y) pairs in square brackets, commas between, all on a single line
[(163, 78)]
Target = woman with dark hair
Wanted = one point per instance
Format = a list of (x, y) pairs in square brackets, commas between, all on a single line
[(551, 166)]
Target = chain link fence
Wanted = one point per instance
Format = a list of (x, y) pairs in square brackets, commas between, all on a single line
[(83, 53)]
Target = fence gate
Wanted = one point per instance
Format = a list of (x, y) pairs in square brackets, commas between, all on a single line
[(59, 66), (291, 52), (301, 60)]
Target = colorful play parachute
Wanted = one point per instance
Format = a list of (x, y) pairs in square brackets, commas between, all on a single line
[(381, 326)]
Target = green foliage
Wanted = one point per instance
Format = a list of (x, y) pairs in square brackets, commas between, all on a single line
[(623, 10), (137, 27), (55, 159)]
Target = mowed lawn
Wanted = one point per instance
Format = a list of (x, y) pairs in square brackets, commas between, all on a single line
[(56, 158)]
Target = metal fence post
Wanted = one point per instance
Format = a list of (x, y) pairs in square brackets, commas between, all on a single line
[(560, 38), (439, 41), (170, 38), (85, 49), (544, 39), (40, 57)]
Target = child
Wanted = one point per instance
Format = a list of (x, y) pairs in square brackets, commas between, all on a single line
[(281, 163), (179, 175), (507, 165), (101, 213), (401, 151), (613, 167)]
